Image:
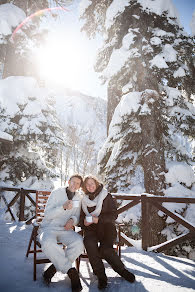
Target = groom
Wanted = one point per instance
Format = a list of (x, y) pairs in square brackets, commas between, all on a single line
[(61, 215)]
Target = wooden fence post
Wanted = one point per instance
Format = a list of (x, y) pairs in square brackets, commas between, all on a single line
[(22, 204), (145, 222), (7, 205)]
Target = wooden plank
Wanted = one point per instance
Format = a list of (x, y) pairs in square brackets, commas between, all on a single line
[(32, 201), (43, 199), (123, 240), (40, 210), (44, 202), (38, 250), (42, 261), (35, 254), (84, 255), (17, 189), (175, 217), (175, 241), (12, 202), (30, 242), (129, 205), (172, 199), (41, 206), (29, 221), (22, 205), (29, 191), (128, 197), (145, 222), (119, 240), (7, 205), (41, 215), (10, 189)]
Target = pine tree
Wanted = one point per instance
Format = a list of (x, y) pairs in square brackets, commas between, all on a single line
[(37, 137), (147, 61), (16, 55)]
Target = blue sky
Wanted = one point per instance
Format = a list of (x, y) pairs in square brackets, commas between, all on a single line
[(185, 9)]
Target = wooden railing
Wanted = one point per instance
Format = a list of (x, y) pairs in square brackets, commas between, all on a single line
[(21, 194), (146, 200)]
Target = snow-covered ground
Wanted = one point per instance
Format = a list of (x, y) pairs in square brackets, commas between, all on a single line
[(154, 272)]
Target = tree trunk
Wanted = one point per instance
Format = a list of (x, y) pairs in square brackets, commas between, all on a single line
[(114, 96), (153, 160)]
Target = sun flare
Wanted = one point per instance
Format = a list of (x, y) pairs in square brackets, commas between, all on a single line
[(60, 62)]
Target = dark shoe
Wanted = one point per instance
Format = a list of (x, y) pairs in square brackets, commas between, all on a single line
[(48, 274), (75, 280), (102, 283), (128, 276)]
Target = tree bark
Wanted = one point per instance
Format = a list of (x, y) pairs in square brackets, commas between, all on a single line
[(153, 161), (114, 96)]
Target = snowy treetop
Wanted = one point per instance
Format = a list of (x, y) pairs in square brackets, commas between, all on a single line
[(129, 103), (10, 17), (179, 172), (83, 5), (16, 86), (160, 6), (152, 6), (114, 9), (5, 136)]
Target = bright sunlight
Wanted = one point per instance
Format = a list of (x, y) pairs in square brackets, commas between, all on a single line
[(60, 62)]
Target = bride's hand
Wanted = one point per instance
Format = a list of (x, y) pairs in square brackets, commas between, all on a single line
[(87, 223), (95, 219)]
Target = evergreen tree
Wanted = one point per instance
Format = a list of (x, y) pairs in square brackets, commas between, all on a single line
[(32, 122), (11, 16), (16, 54), (156, 52), (147, 61), (17, 60)]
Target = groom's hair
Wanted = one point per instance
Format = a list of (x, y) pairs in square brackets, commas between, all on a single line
[(86, 178), (77, 176)]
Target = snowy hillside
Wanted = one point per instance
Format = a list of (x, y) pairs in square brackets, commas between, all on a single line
[(154, 272), (82, 111)]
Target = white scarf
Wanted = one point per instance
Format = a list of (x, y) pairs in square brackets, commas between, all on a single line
[(98, 201)]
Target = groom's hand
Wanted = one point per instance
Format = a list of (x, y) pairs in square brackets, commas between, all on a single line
[(68, 205), (69, 224)]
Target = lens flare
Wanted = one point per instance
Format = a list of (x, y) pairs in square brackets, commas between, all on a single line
[(37, 13)]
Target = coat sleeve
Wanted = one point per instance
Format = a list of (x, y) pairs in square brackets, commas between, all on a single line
[(81, 219), (54, 206), (109, 210), (76, 216)]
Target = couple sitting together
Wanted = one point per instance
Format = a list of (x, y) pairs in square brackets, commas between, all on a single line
[(94, 211)]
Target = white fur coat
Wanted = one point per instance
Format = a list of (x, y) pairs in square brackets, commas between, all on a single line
[(55, 215)]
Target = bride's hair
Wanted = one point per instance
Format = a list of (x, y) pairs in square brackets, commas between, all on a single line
[(86, 178)]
